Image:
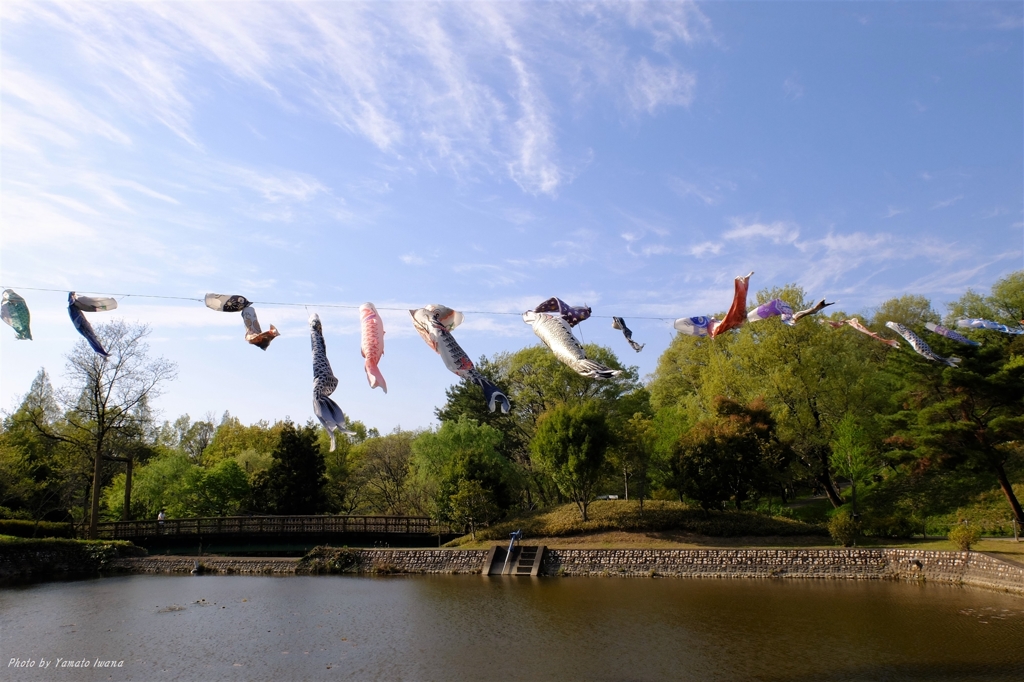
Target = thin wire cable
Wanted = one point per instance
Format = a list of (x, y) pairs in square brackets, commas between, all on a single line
[(306, 305)]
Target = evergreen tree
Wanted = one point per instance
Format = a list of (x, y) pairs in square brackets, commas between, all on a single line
[(295, 482)]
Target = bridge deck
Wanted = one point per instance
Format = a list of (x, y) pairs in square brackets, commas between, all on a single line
[(271, 525)]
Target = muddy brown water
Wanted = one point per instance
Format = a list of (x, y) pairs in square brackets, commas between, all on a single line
[(477, 628)]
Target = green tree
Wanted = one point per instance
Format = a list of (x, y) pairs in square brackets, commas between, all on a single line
[(39, 476), (810, 375), (107, 404), (380, 474), (535, 382), (851, 454), (221, 490), (295, 482), (968, 417), (462, 451), (732, 455), (190, 437), (909, 310), (570, 444), (633, 453), (472, 505)]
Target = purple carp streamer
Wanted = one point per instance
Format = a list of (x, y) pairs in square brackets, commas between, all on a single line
[(557, 336), (694, 326), (324, 383), (14, 311), (976, 323), (949, 334), (619, 323), (572, 315), (813, 310), (918, 344), (434, 323), (76, 305), (773, 308)]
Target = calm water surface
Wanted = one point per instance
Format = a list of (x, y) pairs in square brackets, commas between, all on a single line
[(476, 628)]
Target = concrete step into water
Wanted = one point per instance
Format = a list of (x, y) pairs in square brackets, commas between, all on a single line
[(524, 560)]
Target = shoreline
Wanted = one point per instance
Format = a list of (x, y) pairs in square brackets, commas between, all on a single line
[(26, 563)]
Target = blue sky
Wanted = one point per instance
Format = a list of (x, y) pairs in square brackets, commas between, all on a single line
[(485, 156)]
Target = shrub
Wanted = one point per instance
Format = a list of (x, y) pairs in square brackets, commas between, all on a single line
[(843, 528), (36, 529), (330, 560), (890, 526), (964, 535)]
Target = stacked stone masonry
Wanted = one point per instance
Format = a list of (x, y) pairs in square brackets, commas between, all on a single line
[(965, 568)]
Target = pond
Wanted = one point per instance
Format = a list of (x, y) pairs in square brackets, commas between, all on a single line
[(478, 628)]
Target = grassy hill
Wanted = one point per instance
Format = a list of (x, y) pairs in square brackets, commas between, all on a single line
[(658, 516)]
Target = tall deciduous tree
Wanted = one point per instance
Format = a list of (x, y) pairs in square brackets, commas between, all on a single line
[(535, 382), (462, 451), (809, 376), (851, 454), (732, 455), (570, 444), (107, 402), (380, 472)]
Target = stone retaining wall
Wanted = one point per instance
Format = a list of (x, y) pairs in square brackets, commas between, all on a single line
[(967, 568), (450, 561), (962, 568), (207, 565)]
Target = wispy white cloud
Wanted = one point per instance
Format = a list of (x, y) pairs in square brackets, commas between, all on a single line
[(946, 203), (412, 259), (655, 87), (893, 211), (779, 232), (455, 83), (792, 87), (710, 192)]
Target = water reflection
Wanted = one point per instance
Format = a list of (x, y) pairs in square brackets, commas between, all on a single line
[(469, 628)]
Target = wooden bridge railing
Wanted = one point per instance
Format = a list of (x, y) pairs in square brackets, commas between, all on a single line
[(256, 525)]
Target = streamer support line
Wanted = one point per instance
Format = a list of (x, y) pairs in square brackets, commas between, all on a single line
[(305, 305)]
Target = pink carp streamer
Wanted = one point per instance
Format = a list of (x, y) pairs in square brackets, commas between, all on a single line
[(737, 314), (855, 323), (372, 344), (918, 344)]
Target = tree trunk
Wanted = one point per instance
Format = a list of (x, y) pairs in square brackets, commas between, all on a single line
[(126, 513), (94, 514), (1004, 483), (625, 483), (830, 490)]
